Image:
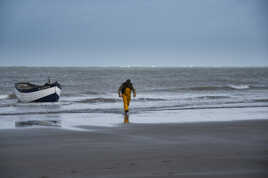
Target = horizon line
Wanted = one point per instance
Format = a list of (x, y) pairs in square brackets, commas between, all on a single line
[(139, 66)]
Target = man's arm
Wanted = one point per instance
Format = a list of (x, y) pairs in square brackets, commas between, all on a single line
[(134, 90), (119, 91)]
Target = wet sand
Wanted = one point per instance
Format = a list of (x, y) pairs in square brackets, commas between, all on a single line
[(215, 149)]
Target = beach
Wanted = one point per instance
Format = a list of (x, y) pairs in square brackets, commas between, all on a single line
[(207, 149), (184, 122), (134, 89)]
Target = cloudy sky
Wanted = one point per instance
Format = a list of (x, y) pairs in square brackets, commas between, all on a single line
[(134, 32)]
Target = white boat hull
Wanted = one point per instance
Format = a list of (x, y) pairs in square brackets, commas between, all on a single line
[(45, 95)]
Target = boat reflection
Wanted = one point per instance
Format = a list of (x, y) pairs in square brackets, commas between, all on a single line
[(46, 123)]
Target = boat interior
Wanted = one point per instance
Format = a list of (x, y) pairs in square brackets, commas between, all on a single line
[(26, 86), (29, 87)]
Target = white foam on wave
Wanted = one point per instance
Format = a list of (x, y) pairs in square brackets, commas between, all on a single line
[(239, 87), (4, 97), (38, 104), (10, 96)]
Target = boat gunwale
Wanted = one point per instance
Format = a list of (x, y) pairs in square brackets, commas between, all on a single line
[(35, 87)]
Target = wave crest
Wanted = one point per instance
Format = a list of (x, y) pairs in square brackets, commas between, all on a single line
[(150, 99), (213, 97), (205, 88), (10, 96), (114, 100), (99, 100), (239, 87)]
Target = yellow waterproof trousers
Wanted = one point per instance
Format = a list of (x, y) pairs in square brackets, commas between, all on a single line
[(126, 98)]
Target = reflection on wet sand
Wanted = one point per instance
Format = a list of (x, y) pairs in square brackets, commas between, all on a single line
[(126, 119), (47, 123)]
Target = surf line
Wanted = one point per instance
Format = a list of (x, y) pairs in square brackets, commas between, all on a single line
[(137, 109)]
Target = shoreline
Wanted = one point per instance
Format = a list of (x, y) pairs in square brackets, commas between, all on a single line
[(205, 149)]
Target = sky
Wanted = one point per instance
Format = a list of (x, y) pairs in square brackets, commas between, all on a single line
[(134, 33)]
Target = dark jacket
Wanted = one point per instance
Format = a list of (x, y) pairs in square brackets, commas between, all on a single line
[(124, 86)]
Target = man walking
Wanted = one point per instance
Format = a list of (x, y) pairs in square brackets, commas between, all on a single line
[(124, 91)]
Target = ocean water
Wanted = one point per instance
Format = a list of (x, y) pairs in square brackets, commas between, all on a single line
[(89, 95)]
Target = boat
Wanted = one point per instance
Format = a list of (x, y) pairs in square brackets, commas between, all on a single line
[(27, 92)]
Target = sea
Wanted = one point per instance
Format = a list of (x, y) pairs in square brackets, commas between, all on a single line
[(164, 95)]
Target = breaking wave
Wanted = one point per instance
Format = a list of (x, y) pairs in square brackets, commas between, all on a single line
[(99, 100), (3, 97), (80, 93), (150, 99), (261, 100), (10, 96), (114, 100), (212, 97), (136, 110), (239, 87), (211, 88), (207, 88)]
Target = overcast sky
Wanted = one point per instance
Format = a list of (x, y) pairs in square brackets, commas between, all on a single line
[(134, 32)]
